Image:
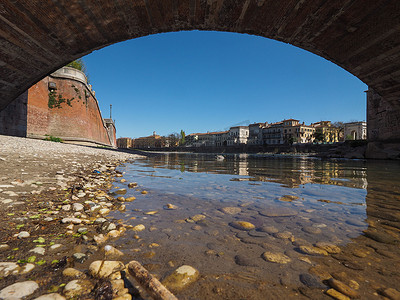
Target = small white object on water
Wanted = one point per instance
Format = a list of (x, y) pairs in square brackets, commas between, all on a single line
[(107, 248)]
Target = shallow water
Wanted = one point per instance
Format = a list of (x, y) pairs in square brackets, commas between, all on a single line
[(291, 201)]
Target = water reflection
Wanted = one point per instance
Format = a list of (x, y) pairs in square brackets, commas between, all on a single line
[(293, 203), (291, 172)]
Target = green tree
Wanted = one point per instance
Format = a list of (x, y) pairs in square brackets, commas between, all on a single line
[(79, 64), (319, 135), (182, 139), (292, 140)]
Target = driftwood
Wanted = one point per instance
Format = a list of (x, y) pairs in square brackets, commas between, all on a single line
[(147, 281)]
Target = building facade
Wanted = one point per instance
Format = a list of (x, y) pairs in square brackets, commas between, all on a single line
[(124, 143), (326, 132), (238, 135), (256, 133), (355, 131), (273, 134), (152, 141)]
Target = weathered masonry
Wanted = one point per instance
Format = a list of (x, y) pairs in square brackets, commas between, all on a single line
[(62, 105), (363, 37)]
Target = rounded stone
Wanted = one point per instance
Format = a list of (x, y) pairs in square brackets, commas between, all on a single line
[(139, 228), (311, 281), (283, 235), (112, 253), (288, 198), (74, 273), (7, 268), (343, 288), (53, 296), (181, 278), (26, 268), (268, 229), (242, 225), (98, 269), (130, 199), (328, 247), (19, 290), (243, 260), (77, 207), (121, 191), (79, 257), (311, 230), (231, 210), (170, 206), (77, 288), (38, 250), (278, 258), (114, 234), (313, 250), (23, 235)]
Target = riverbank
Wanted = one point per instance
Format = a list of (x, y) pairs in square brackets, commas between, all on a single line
[(349, 150), (54, 203)]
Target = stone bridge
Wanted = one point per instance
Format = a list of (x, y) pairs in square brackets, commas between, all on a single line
[(361, 36)]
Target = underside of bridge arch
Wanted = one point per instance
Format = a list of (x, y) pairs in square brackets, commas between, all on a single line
[(363, 37)]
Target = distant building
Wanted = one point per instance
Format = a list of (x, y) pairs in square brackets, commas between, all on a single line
[(124, 143), (355, 131), (273, 134), (152, 141), (256, 133), (238, 135), (221, 138), (328, 132)]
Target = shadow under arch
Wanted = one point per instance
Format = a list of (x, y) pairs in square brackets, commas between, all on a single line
[(41, 37)]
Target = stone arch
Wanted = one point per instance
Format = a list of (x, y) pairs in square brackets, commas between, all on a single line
[(39, 37)]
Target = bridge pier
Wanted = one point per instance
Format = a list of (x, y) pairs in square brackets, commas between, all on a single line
[(383, 127)]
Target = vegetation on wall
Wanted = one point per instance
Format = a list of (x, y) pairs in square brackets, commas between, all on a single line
[(55, 100), (53, 139)]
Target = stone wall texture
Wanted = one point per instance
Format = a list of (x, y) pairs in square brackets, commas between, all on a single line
[(13, 120), (383, 118)]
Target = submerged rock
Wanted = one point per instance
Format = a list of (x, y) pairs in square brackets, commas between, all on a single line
[(170, 206), (278, 258), (120, 191), (74, 273), (78, 288), (343, 288), (242, 225), (328, 247), (313, 250), (181, 278), (231, 210)]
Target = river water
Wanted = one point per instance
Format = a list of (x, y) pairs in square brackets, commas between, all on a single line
[(266, 227)]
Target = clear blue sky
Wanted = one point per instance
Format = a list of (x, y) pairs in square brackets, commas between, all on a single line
[(209, 81)]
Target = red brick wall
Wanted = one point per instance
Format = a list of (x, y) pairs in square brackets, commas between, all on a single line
[(80, 121)]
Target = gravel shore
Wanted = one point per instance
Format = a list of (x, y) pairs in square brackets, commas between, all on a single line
[(31, 166), (54, 202)]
